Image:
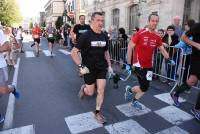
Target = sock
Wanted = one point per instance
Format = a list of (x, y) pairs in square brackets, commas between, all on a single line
[(197, 106), (97, 111), (181, 89)]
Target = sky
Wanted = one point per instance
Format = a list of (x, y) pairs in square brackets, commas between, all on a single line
[(31, 8)]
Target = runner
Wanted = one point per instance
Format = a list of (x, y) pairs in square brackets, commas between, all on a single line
[(80, 29), (4, 87), (50, 33), (95, 62), (36, 32), (144, 42), (194, 32)]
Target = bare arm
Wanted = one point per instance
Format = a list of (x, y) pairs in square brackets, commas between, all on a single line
[(75, 56), (131, 45), (164, 52), (190, 42), (107, 56)]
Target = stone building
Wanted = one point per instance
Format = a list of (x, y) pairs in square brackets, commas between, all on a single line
[(132, 13), (54, 9)]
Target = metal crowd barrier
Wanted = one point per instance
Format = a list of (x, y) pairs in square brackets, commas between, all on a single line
[(178, 73)]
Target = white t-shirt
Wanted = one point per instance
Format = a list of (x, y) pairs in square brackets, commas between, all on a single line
[(2, 41), (19, 33)]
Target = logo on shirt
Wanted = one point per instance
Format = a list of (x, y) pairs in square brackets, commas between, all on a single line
[(82, 31), (98, 43)]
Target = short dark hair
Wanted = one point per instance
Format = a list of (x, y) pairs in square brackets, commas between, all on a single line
[(161, 30), (96, 13), (81, 16), (171, 27), (152, 14), (190, 22), (122, 30)]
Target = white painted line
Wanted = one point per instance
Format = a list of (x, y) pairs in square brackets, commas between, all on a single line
[(126, 127), (47, 53), (22, 130), (29, 54), (165, 97), (82, 123), (11, 101), (129, 111), (64, 52), (173, 130), (174, 115)]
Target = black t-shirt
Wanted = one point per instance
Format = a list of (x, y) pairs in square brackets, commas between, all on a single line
[(80, 29), (195, 33), (93, 46)]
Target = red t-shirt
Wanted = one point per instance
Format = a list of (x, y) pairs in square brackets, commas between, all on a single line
[(145, 43), (36, 32)]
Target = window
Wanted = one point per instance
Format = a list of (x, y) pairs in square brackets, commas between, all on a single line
[(115, 20), (133, 18)]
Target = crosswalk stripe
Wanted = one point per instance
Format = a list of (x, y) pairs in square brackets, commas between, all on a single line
[(174, 130), (126, 127), (82, 123), (47, 53), (29, 54), (174, 115), (22, 130), (64, 52)]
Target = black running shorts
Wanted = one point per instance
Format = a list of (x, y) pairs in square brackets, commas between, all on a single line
[(94, 75), (51, 40), (37, 40), (141, 76)]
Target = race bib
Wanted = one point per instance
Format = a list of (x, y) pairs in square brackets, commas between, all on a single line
[(36, 36), (149, 75), (50, 35)]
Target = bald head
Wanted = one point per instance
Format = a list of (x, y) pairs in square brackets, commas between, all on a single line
[(177, 20)]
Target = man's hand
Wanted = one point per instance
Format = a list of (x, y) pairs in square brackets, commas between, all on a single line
[(83, 69)]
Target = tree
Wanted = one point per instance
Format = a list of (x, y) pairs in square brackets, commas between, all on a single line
[(9, 12), (59, 22), (31, 25)]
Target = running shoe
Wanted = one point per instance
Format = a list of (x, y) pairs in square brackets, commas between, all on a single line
[(136, 105), (196, 113), (100, 117), (175, 99), (128, 95), (1, 119), (81, 93)]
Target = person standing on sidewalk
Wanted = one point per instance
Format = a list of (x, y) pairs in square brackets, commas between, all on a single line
[(19, 38), (194, 32), (36, 32), (95, 62), (4, 87), (144, 42)]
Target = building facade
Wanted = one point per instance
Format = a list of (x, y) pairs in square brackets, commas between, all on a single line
[(53, 9), (134, 13)]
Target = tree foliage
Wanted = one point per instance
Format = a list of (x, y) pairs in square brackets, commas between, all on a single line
[(30, 25), (59, 22), (9, 12)]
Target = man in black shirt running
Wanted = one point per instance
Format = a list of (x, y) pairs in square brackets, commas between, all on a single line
[(95, 62), (80, 29), (194, 69)]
